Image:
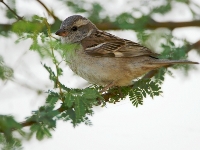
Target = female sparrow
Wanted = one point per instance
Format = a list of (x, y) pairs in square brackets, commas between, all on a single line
[(104, 59)]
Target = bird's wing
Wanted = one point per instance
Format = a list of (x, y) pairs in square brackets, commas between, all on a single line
[(107, 45)]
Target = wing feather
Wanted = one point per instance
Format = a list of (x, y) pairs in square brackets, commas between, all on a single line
[(108, 45)]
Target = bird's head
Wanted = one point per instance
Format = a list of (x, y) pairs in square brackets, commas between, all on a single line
[(75, 28)]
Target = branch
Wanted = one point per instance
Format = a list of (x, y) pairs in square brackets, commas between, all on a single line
[(49, 12), (195, 45), (151, 25), (31, 122), (27, 123), (19, 18), (171, 25), (106, 97)]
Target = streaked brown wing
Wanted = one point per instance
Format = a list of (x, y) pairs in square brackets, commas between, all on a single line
[(113, 46)]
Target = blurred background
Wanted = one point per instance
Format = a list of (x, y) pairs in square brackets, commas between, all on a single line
[(168, 122)]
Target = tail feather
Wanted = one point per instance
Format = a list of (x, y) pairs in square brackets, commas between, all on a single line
[(165, 62)]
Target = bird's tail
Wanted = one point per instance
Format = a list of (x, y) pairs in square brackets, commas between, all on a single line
[(172, 62)]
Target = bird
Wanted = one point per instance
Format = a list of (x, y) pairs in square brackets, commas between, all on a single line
[(105, 59)]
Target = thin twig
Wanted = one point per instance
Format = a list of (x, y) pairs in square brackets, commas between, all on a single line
[(19, 17), (54, 61), (48, 11)]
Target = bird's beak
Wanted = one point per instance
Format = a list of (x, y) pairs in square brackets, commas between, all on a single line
[(61, 32)]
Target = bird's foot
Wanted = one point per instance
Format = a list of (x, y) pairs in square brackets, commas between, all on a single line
[(107, 87)]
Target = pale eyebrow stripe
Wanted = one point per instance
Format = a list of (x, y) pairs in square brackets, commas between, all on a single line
[(81, 22)]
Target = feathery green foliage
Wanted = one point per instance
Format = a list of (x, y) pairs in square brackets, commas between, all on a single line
[(7, 140)]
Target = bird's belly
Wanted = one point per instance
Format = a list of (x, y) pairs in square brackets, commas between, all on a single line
[(93, 71), (104, 70)]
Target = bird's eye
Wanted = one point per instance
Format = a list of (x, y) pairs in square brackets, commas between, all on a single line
[(74, 28)]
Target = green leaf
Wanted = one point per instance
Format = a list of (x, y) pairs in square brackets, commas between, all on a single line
[(89, 93), (34, 127), (14, 144), (5, 71), (52, 98), (39, 134), (12, 5), (125, 21), (7, 139), (163, 9), (23, 26), (94, 13), (45, 115), (69, 100), (52, 75), (7, 123), (142, 88), (78, 104), (47, 133), (79, 107), (35, 46), (70, 115), (77, 7), (42, 132)]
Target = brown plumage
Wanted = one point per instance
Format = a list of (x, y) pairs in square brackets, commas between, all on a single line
[(108, 45), (104, 59)]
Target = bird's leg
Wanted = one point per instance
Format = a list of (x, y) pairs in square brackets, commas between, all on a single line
[(121, 95), (107, 87)]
